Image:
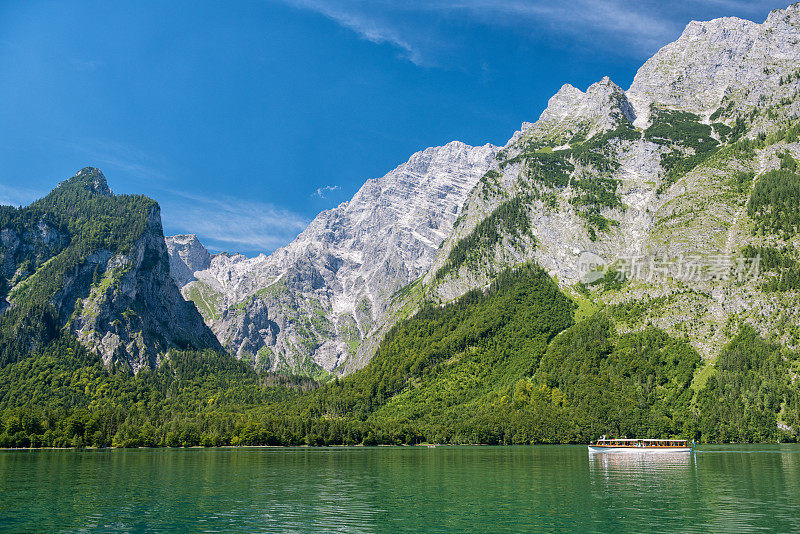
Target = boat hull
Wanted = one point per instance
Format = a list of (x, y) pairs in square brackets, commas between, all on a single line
[(638, 450)]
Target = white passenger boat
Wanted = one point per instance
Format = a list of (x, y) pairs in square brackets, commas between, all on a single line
[(625, 445)]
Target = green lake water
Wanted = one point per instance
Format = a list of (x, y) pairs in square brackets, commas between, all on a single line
[(403, 489)]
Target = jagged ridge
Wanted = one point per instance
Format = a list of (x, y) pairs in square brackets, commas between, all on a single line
[(307, 306)]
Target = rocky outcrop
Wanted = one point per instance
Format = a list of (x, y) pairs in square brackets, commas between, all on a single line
[(135, 312), (574, 115), (658, 220), (716, 62), (186, 255)]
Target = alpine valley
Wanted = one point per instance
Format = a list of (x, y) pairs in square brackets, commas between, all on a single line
[(628, 264)]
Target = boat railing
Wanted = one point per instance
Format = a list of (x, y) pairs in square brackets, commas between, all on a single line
[(648, 443)]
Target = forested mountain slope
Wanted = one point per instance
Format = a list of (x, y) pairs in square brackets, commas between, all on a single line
[(92, 264), (654, 183), (503, 365)]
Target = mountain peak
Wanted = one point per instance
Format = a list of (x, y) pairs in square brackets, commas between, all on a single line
[(186, 255), (571, 110), (90, 179), (718, 59), (698, 28), (564, 98), (790, 13)]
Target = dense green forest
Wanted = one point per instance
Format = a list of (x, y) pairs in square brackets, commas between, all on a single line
[(773, 203), (509, 218), (750, 391), (685, 129), (501, 366)]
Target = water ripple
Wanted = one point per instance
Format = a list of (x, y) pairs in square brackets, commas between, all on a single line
[(447, 489)]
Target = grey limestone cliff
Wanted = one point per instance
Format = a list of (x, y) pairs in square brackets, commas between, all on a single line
[(648, 181), (307, 306), (135, 313)]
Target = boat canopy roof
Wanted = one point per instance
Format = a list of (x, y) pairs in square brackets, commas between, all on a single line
[(629, 440)]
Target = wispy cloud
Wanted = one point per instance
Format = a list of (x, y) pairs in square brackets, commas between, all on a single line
[(229, 223), (748, 6), (422, 29), (416, 28), (18, 196), (361, 18), (322, 191)]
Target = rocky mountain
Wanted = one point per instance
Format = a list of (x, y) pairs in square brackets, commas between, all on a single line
[(645, 201), (628, 264), (94, 264), (639, 199), (307, 306)]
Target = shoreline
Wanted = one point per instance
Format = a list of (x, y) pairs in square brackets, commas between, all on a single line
[(359, 446)]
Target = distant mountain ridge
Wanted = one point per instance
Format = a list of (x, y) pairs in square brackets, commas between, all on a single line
[(689, 162), (629, 264), (662, 172), (308, 305), (602, 174)]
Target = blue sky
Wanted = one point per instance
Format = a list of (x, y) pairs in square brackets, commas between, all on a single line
[(244, 119)]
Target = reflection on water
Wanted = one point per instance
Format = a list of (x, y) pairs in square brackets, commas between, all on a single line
[(634, 489), (723, 489), (447, 489), (631, 461), (649, 472)]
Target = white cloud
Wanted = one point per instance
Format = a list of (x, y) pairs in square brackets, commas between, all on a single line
[(350, 15), (229, 223), (322, 191), (413, 27)]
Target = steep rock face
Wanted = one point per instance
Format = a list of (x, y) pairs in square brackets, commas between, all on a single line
[(661, 173), (575, 113), (307, 306), (186, 255), (96, 264), (726, 58), (135, 313)]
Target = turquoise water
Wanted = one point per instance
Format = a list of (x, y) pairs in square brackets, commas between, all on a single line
[(404, 489)]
